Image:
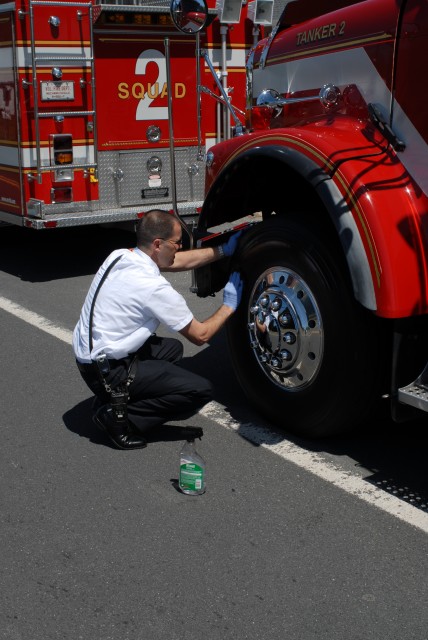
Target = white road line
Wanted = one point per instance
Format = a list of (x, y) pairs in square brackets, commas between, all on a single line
[(307, 460), (317, 465), (34, 319)]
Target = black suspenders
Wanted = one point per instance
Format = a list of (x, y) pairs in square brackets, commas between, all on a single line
[(91, 314), (118, 396)]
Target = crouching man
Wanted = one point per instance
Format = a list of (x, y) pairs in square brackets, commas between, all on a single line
[(134, 373)]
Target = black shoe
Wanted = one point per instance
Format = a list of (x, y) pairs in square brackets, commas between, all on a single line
[(120, 434)]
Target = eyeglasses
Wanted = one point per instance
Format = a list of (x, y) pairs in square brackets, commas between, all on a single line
[(178, 243)]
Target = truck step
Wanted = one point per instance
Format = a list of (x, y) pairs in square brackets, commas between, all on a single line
[(416, 393)]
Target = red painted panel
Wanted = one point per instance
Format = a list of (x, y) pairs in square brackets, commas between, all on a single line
[(132, 91)]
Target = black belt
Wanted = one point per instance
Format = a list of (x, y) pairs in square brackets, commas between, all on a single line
[(84, 367)]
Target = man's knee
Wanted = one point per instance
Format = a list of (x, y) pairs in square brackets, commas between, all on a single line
[(204, 390)]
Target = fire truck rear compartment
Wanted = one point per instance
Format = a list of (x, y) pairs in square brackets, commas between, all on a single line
[(125, 179)]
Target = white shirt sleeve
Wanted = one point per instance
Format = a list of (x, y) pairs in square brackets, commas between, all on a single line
[(169, 306)]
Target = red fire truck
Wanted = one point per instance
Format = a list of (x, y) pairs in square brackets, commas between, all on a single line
[(89, 130), (335, 161)]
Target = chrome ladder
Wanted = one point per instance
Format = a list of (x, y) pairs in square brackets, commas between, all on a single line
[(38, 59)]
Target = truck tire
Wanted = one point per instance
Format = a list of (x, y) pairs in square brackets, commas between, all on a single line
[(304, 352)]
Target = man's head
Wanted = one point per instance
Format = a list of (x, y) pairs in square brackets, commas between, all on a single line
[(159, 236)]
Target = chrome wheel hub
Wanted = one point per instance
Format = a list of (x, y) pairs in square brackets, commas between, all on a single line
[(285, 328)]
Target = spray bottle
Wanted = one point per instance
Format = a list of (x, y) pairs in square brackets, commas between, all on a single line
[(192, 469)]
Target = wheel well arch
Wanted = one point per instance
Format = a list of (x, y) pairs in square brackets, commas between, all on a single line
[(282, 181)]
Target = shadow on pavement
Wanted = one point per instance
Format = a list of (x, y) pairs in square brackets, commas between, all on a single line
[(58, 253), (78, 420)]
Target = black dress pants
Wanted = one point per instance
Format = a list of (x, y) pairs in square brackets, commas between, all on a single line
[(161, 390)]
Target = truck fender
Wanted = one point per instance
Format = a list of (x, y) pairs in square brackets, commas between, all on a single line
[(221, 206)]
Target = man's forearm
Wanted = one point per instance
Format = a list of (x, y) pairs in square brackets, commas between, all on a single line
[(185, 260), (201, 332)]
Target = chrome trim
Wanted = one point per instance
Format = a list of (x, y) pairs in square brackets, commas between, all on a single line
[(285, 328), (266, 48), (329, 95)]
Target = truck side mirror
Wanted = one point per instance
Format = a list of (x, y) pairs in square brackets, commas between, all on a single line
[(189, 16)]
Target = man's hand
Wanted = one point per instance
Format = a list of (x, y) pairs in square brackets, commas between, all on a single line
[(229, 247), (201, 332), (233, 291)]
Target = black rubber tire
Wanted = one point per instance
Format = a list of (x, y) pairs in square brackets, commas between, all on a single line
[(340, 384)]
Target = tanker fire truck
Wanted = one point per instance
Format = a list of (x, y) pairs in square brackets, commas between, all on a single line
[(333, 157), (89, 130)]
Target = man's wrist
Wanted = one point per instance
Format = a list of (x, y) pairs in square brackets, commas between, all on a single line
[(220, 251)]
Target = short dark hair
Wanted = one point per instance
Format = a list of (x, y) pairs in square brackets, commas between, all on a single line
[(156, 223)]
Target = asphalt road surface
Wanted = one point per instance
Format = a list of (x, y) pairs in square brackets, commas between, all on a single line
[(296, 540)]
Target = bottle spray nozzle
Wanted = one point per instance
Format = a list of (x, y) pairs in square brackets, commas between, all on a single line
[(191, 433)]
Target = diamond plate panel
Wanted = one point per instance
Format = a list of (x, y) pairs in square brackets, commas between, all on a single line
[(124, 178)]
